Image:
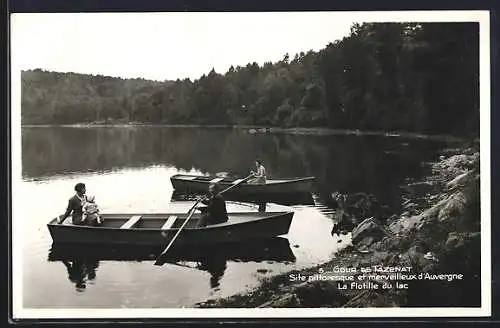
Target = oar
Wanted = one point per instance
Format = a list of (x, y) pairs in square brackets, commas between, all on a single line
[(238, 183), (192, 210)]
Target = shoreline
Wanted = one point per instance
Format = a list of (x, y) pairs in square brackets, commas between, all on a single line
[(437, 235), (253, 129)]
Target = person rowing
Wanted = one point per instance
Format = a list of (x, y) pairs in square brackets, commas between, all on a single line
[(214, 210)]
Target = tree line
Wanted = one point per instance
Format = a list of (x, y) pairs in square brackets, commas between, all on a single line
[(382, 76)]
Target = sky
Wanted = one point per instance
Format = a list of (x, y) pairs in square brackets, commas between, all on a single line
[(166, 46), (170, 46)]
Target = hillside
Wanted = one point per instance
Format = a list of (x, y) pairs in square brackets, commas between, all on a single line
[(390, 77)]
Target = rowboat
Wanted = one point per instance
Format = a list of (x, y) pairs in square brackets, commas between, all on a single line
[(159, 229), (197, 183)]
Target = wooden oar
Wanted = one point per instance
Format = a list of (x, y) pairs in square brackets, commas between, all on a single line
[(237, 183), (192, 210)]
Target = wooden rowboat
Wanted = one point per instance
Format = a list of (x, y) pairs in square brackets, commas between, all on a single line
[(197, 183), (159, 229)]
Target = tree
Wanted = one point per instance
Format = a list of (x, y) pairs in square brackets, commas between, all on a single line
[(391, 76)]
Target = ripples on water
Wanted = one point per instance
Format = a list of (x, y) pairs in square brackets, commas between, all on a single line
[(128, 170)]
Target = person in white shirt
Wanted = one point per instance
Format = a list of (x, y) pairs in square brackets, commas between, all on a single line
[(260, 175)]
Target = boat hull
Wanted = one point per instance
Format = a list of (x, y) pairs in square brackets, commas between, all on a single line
[(237, 229), (272, 187)]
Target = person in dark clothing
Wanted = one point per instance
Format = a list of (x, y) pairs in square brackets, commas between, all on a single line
[(215, 210), (75, 206)]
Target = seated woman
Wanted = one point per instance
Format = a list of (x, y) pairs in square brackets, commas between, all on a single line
[(75, 206), (260, 175)]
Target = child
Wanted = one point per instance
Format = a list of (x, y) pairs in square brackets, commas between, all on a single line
[(91, 212)]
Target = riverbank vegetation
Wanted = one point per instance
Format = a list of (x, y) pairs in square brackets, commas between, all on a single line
[(420, 78), (429, 253)]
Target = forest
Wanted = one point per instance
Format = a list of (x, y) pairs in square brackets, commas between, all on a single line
[(409, 77)]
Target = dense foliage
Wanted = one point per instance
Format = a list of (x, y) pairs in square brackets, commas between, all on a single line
[(411, 77)]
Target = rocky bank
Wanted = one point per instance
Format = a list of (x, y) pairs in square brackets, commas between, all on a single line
[(436, 235)]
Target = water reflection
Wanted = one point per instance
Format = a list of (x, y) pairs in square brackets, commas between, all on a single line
[(347, 164), (259, 200), (215, 265), (80, 271), (82, 261)]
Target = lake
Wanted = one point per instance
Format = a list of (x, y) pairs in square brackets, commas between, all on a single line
[(128, 170)]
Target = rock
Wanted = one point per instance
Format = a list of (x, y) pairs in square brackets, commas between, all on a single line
[(367, 229), (396, 243), (431, 256), (345, 224), (406, 202), (417, 222), (392, 218), (318, 294), (414, 256), (456, 165), (406, 224), (287, 300), (456, 161), (420, 188), (410, 206), (379, 257), (460, 180), (452, 241), (452, 208), (457, 240), (367, 241)]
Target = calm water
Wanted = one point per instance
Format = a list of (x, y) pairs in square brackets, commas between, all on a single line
[(128, 170)]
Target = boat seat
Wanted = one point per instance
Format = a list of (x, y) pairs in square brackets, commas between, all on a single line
[(187, 178), (216, 180), (131, 222), (237, 181), (169, 223)]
